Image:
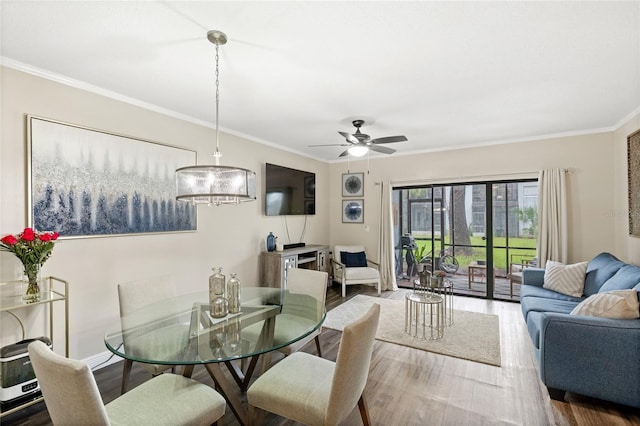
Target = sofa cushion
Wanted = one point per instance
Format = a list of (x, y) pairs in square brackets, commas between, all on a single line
[(535, 291), (616, 304), (600, 269), (626, 278), (541, 304), (565, 279)]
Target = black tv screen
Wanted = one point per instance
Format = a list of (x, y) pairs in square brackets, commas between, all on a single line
[(289, 191)]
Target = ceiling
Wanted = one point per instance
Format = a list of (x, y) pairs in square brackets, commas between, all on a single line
[(445, 74)]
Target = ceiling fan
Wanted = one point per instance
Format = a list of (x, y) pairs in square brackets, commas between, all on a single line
[(360, 143)]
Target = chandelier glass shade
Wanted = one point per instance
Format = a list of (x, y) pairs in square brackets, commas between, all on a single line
[(215, 184)]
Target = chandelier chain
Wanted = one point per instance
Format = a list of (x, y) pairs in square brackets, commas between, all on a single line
[(217, 154)]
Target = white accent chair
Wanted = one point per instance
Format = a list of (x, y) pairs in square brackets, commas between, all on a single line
[(346, 275), (73, 398), (313, 390), (135, 295)]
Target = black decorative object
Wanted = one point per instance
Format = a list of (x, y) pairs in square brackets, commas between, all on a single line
[(353, 184)]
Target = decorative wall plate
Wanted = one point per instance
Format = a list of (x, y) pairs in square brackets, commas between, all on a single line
[(353, 184), (352, 211)]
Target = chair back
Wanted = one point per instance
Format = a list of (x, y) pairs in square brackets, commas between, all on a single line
[(69, 388), (307, 282), (348, 249), (134, 295), (352, 365)]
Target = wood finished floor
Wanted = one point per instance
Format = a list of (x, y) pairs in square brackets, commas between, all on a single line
[(412, 387)]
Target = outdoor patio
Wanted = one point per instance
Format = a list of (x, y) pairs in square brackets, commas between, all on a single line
[(460, 282)]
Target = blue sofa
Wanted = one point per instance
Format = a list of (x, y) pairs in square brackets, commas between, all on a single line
[(592, 356)]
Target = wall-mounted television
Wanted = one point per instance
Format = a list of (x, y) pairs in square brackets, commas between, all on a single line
[(289, 191)]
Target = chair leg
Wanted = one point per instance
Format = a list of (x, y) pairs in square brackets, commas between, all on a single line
[(363, 411), (255, 416), (125, 375), (318, 346)]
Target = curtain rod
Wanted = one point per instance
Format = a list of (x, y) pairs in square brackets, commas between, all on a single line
[(467, 178)]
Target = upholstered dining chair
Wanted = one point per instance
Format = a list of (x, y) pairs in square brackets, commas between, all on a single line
[(314, 390), (299, 282), (72, 396), (135, 295), (302, 281), (351, 266)]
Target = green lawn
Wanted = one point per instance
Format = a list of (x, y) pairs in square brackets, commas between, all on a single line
[(526, 250)]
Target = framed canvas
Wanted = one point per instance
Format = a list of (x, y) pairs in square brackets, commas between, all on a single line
[(353, 184), (310, 186), (633, 178), (352, 211), (84, 182)]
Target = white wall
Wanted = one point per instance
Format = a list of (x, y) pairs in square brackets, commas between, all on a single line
[(591, 184), (228, 236)]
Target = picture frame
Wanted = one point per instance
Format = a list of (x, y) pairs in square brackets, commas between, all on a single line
[(84, 182), (310, 206), (352, 211), (633, 180), (309, 186), (353, 184)]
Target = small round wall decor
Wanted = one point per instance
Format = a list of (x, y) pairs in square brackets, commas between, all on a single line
[(352, 211), (353, 184)]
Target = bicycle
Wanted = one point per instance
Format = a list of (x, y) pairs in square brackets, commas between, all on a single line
[(447, 261)]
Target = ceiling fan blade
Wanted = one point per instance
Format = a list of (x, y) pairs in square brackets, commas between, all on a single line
[(331, 144), (390, 139), (344, 154), (382, 149), (349, 137)]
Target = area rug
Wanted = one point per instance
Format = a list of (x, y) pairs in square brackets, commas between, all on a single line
[(473, 336)]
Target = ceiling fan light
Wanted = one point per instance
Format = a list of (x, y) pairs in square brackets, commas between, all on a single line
[(358, 151)]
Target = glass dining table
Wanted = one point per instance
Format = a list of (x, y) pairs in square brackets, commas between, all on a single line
[(180, 331)]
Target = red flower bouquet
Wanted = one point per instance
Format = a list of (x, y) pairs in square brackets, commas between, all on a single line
[(33, 249)]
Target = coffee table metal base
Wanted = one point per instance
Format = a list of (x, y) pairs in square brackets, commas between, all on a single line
[(424, 310)]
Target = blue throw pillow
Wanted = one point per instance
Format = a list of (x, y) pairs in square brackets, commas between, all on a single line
[(353, 260), (600, 269), (627, 277)]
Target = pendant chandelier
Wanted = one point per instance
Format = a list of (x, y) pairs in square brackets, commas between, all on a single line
[(215, 184)]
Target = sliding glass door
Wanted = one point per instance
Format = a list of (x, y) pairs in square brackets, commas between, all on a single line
[(474, 232)]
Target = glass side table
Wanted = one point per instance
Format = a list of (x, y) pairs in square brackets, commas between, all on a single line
[(446, 291), (424, 309)]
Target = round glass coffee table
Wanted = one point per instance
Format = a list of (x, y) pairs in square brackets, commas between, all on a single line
[(425, 310)]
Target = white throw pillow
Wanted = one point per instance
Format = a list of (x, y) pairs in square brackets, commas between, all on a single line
[(616, 304), (565, 279)]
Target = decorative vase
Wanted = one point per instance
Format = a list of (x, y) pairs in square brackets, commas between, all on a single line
[(32, 282), (218, 305), (434, 282), (233, 294), (271, 242)]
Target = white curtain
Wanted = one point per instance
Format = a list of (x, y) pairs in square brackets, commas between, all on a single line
[(552, 216), (385, 240)]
